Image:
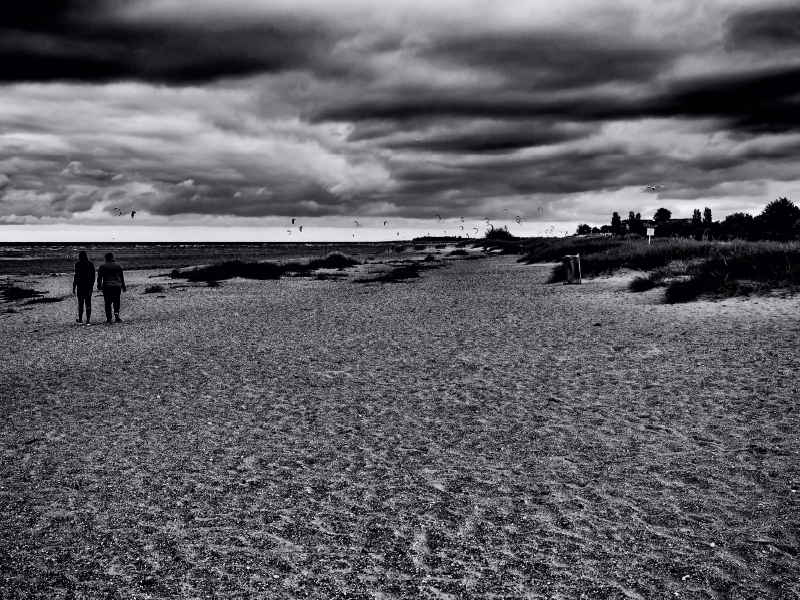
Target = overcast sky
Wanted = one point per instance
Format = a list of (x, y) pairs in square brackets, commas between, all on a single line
[(226, 120)]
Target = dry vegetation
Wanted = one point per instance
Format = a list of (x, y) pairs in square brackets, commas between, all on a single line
[(474, 432), (686, 268)]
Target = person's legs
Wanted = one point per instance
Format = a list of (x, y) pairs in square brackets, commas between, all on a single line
[(88, 300), (108, 297), (80, 306), (117, 293)]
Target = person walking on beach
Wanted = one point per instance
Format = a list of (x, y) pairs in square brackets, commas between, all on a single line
[(83, 282), (111, 281)]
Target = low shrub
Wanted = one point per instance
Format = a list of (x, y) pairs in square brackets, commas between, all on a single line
[(262, 270), (13, 293), (213, 283), (154, 289), (46, 300), (429, 258), (459, 252), (643, 283)]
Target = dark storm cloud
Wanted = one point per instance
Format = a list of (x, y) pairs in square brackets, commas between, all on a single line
[(85, 41), (774, 28), (488, 137), (759, 101), (211, 198), (553, 60), (75, 201)]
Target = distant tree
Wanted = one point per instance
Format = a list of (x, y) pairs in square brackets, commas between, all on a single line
[(635, 224), (707, 222), (778, 218), (662, 216), (738, 225), (616, 224), (595, 230), (583, 229), (696, 218), (606, 229)]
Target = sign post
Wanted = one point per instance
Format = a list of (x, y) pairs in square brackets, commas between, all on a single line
[(651, 231)]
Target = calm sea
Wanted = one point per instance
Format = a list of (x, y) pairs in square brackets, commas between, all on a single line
[(35, 259)]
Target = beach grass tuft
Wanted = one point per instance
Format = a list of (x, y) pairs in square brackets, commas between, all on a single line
[(13, 293), (262, 270)]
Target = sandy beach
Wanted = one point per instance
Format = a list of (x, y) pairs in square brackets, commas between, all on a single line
[(474, 433)]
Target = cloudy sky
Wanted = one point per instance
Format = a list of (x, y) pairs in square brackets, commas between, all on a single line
[(226, 120)]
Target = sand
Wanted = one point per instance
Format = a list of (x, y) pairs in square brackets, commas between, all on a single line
[(475, 433)]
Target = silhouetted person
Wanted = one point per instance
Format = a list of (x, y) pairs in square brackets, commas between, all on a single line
[(112, 282), (83, 282)]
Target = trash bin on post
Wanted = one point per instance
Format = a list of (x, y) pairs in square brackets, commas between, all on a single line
[(572, 265)]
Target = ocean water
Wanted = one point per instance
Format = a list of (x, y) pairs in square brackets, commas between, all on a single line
[(37, 259)]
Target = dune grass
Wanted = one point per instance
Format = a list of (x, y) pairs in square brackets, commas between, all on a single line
[(404, 272), (262, 270), (13, 293), (687, 268)]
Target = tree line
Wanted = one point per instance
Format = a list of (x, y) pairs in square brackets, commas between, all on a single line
[(780, 220)]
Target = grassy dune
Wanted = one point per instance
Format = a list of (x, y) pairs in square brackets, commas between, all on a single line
[(228, 269), (688, 269)]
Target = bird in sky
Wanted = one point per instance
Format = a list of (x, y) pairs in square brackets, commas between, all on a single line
[(440, 218), (653, 187), (292, 221), (357, 225), (118, 209), (133, 212), (541, 209), (301, 229)]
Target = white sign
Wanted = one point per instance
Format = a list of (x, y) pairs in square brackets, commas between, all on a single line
[(651, 231)]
